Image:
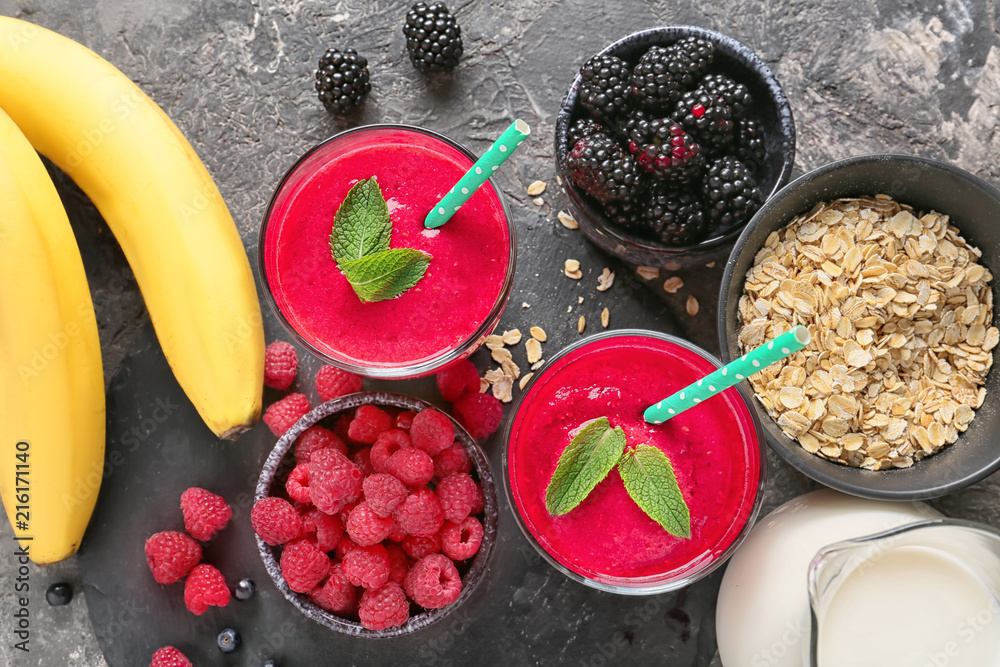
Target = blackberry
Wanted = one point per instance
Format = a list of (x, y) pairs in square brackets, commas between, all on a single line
[(433, 37), (605, 85), (708, 118), (675, 216), (627, 214), (228, 640), (663, 148), (660, 77), (736, 95), (700, 54), (584, 127), (342, 80), (729, 193), (750, 147), (601, 168)]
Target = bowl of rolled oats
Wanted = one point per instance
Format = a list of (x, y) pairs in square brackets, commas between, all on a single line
[(889, 260)]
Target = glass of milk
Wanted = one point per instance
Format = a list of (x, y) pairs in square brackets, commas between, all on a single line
[(922, 595)]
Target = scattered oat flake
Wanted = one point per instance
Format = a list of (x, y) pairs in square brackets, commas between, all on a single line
[(605, 280), (538, 334), (503, 388), (672, 284), (534, 350), (568, 221), (691, 306), (648, 272), (494, 341), (524, 381), (512, 337), (710, 265), (500, 354), (581, 324), (571, 268), (483, 385), (579, 299), (525, 304), (605, 318), (537, 188), (538, 364), (538, 201)]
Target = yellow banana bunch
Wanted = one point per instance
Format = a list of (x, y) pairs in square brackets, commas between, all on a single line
[(51, 381), (162, 206)]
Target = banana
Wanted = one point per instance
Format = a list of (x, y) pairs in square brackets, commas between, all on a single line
[(161, 204), (51, 379)]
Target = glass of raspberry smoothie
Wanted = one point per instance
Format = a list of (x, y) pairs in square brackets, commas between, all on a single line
[(447, 314), (716, 449)]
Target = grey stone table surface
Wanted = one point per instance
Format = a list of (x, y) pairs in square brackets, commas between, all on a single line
[(863, 76)]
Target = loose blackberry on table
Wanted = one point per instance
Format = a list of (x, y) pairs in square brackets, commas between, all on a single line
[(605, 85), (433, 37), (342, 80)]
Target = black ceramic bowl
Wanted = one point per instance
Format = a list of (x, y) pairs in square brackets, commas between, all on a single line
[(771, 108), (472, 573), (924, 184)]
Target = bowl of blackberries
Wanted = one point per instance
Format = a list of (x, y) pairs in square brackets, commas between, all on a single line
[(667, 143)]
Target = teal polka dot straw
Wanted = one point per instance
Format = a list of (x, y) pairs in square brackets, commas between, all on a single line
[(478, 174), (732, 373)]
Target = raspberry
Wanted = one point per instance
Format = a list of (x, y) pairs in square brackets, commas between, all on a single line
[(327, 529), (399, 563), (280, 365), (458, 494), (365, 527), (480, 414), (342, 424), (337, 594), (460, 541), (332, 382), (205, 587), (363, 459), (386, 444), (315, 438), (367, 566), (479, 504), (432, 431), (420, 514), (303, 565), (411, 466), (384, 608), (404, 419), (383, 492), (171, 555), (343, 547), (346, 510), (275, 520), (418, 547), (297, 484), (397, 533), (368, 422), (433, 582), (280, 415), (458, 378), (205, 513), (332, 479), (452, 460), (168, 656)]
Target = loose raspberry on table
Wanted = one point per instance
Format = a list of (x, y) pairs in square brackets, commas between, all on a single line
[(420, 514), (332, 479), (384, 608), (418, 547), (343, 547), (480, 414), (461, 541), (365, 527), (457, 379), (399, 563), (297, 484), (314, 439), (337, 594), (333, 382), (205, 513), (168, 656), (327, 530), (458, 495), (386, 444), (367, 566), (432, 432), (275, 520), (368, 422), (281, 362), (433, 582), (281, 415), (411, 466), (303, 565), (363, 459), (171, 555), (205, 587), (452, 460), (404, 419), (384, 493)]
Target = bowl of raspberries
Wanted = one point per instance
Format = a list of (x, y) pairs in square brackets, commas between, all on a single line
[(375, 514), (667, 143)]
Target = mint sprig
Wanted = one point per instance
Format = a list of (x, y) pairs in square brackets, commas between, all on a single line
[(360, 244), (590, 456), (650, 481)]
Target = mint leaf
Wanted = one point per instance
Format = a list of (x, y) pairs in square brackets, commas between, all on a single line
[(386, 274), (362, 225), (649, 479), (588, 459)]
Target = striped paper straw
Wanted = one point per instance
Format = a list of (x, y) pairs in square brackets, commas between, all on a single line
[(732, 373), (478, 174)]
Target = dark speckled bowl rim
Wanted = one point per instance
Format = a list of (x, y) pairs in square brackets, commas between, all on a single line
[(669, 34), (480, 562)]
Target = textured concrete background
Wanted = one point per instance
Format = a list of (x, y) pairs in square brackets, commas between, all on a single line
[(862, 76)]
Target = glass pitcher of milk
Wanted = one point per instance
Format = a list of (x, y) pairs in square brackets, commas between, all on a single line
[(922, 595)]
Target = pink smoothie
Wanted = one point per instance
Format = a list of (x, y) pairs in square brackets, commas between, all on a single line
[(462, 289), (713, 448)]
